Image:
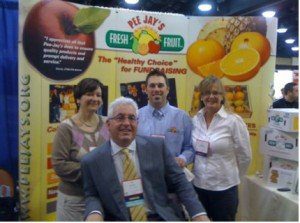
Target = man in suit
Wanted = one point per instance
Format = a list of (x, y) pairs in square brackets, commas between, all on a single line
[(112, 195)]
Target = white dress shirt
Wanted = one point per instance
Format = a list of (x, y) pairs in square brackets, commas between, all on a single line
[(230, 149)]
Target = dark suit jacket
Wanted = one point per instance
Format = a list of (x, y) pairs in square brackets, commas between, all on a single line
[(282, 103), (159, 173)]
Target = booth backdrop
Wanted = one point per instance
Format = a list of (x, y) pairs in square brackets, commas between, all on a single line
[(61, 43)]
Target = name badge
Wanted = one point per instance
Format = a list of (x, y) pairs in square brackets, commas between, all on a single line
[(158, 136), (92, 148), (133, 192), (202, 147)]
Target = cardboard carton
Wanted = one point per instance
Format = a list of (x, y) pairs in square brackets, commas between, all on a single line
[(278, 143), (284, 119), (283, 173), (282, 178)]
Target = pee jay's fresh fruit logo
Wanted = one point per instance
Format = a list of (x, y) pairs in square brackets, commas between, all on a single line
[(145, 37), (145, 40)]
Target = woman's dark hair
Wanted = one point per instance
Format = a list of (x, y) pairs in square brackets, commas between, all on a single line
[(86, 85)]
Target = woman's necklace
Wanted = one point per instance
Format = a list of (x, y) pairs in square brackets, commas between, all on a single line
[(85, 123)]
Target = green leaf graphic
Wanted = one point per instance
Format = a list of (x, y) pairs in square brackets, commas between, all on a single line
[(87, 20)]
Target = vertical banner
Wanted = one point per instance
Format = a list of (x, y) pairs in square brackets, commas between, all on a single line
[(241, 51), (61, 43)]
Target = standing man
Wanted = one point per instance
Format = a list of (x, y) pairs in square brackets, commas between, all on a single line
[(290, 97), (128, 177), (160, 119)]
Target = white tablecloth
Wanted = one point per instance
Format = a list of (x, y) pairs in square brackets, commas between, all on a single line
[(260, 202)]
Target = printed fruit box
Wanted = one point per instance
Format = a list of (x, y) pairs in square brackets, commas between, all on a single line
[(281, 178), (238, 99), (278, 143), (285, 119), (283, 173)]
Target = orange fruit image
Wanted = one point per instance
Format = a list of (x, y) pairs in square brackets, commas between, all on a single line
[(203, 52), (239, 95), (212, 68), (239, 109), (253, 40), (237, 100), (240, 65), (229, 96), (238, 103)]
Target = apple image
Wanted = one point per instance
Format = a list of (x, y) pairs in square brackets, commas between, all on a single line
[(52, 44), (154, 46)]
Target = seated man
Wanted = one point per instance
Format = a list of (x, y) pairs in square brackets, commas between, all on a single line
[(128, 177)]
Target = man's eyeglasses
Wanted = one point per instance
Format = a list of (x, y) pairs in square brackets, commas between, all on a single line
[(159, 85), (122, 118), (214, 93)]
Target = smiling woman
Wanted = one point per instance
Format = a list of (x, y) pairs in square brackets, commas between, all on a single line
[(76, 137), (221, 141)]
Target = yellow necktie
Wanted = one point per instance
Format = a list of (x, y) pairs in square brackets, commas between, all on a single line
[(138, 213)]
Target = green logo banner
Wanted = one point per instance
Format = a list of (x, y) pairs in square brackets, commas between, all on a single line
[(124, 40)]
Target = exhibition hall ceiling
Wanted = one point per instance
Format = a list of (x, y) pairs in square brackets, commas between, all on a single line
[(286, 12)]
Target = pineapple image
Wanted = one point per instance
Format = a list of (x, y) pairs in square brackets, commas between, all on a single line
[(215, 30), (237, 25), (218, 35)]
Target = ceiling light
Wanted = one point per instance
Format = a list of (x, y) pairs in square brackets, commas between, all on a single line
[(268, 14), (281, 30), (204, 7), (131, 1), (289, 41), (295, 48)]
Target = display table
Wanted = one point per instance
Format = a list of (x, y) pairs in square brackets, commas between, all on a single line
[(260, 202)]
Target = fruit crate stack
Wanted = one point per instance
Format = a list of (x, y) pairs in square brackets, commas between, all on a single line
[(279, 145)]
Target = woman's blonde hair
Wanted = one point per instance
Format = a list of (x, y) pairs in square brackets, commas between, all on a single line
[(206, 85)]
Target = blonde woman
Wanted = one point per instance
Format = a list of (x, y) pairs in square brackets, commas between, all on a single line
[(223, 153)]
